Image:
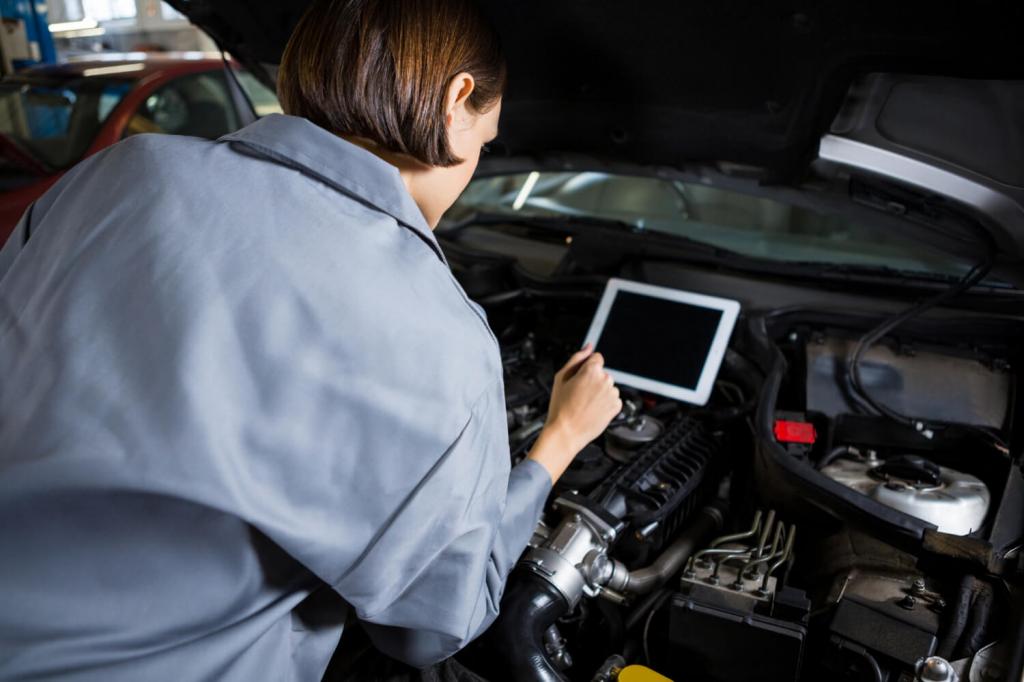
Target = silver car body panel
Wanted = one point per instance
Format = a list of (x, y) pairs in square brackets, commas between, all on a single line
[(1002, 208)]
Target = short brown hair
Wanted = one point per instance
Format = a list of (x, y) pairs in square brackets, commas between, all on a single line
[(380, 69)]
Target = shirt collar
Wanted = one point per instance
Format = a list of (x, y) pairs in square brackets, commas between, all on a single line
[(343, 166)]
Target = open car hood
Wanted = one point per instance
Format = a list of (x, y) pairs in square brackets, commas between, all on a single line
[(761, 88)]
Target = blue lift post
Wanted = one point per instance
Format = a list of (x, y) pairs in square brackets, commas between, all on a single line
[(37, 30)]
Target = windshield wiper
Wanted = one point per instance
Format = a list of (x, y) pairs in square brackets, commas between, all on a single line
[(576, 224), (918, 277), (544, 222)]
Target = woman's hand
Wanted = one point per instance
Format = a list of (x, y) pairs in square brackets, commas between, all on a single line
[(583, 401)]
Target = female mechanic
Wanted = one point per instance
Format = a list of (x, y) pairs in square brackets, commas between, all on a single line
[(242, 397)]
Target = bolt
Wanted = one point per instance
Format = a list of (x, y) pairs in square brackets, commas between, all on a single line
[(935, 669), (712, 580), (918, 586), (907, 603), (646, 532)]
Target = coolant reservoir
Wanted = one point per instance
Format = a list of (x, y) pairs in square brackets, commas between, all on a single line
[(955, 502)]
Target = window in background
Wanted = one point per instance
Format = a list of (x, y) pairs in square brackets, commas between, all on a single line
[(169, 13), (108, 10), (72, 11)]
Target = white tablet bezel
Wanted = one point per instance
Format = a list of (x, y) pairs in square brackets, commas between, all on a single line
[(697, 396)]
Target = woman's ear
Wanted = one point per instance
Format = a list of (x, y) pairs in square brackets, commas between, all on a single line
[(457, 101)]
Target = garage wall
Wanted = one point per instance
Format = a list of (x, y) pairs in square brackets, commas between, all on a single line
[(89, 26)]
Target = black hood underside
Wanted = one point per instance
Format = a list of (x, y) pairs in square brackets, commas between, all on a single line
[(674, 83)]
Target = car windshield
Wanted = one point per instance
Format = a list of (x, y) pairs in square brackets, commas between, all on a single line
[(752, 226), (54, 121)]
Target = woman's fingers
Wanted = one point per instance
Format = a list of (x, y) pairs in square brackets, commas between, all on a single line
[(575, 361), (584, 399), (580, 355)]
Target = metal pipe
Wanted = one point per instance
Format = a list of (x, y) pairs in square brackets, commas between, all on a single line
[(775, 553), (764, 557), (713, 548), (740, 536), (647, 579), (765, 532), (787, 552)]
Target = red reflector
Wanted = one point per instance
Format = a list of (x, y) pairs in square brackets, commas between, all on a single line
[(795, 432)]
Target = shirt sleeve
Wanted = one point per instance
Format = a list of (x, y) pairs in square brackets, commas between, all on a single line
[(15, 243), (36, 213), (433, 580)]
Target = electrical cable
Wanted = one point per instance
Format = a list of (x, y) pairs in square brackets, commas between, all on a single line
[(873, 670), (647, 629), (834, 454), (860, 394), (655, 605)]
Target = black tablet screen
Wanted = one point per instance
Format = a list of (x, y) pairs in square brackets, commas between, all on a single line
[(659, 339)]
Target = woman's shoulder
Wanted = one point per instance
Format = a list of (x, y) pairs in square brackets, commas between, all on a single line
[(217, 225)]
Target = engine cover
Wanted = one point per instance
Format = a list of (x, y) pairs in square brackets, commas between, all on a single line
[(667, 480)]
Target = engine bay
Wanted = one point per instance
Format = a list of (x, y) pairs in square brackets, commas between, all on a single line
[(780, 532)]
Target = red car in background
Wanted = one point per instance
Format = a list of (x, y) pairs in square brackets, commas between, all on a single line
[(52, 117)]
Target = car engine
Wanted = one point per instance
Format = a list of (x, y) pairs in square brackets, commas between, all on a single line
[(778, 533)]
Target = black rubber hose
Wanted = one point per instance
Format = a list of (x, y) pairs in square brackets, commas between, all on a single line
[(971, 619), (834, 454), (530, 606)]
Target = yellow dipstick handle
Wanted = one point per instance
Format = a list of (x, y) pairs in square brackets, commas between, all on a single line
[(639, 673)]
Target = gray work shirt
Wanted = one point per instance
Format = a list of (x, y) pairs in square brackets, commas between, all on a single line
[(241, 397)]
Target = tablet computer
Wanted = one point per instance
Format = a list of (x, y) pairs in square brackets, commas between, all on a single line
[(662, 340)]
